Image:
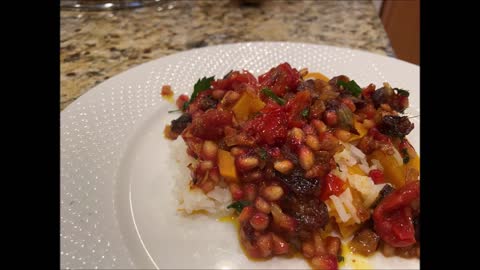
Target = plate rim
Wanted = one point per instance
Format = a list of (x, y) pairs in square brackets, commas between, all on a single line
[(103, 86), (180, 53)]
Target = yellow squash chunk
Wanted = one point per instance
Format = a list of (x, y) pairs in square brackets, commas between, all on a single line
[(362, 131), (394, 173), (412, 168), (247, 105), (226, 166), (414, 161), (348, 230), (356, 170), (316, 75)]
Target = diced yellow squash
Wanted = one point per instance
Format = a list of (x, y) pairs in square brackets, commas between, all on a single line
[(412, 168), (394, 173), (414, 161), (242, 108), (256, 105), (362, 131), (355, 169), (348, 230), (349, 227), (247, 105), (362, 212), (226, 166), (329, 228), (316, 75)]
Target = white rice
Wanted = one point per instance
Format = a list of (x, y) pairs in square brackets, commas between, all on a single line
[(347, 200), (376, 165), (191, 200), (356, 152), (345, 157), (366, 187), (343, 204), (342, 213), (216, 201)]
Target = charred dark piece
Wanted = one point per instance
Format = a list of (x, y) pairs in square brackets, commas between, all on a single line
[(297, 183), (387, 189), (396, 126), (207, 102), (310, 213), (179, 124)]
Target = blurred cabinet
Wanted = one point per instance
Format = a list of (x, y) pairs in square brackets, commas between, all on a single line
[(401, 19)]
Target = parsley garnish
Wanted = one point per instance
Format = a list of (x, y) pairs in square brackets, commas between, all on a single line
[(228, 74), (200, 86), (351, 86), (305, 112), (239, 205), (262, 153), (267, 92)]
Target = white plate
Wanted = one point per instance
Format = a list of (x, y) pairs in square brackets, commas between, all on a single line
[(118, 172)]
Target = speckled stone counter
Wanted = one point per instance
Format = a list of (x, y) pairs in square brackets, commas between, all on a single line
[(98, 45)]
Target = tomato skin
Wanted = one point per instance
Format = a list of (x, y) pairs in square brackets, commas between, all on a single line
[(325, 262), (235, 80), (210, 125), (377, 176), (181, 100), (274, 152), (280, 78), (369, 111), (393, 216), (332, 185), (330, 118), (271, 126), (295, 107), (377, 135), (349, 103), (368, 91)]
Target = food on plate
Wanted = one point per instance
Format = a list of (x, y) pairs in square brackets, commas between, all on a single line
[(304, 163)]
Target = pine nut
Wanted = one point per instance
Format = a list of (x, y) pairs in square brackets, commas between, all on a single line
[(284, 166)]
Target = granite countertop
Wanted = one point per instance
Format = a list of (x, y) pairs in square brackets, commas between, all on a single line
[(98, 45)]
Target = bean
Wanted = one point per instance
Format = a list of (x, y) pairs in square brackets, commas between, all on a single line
[(246, 214), (319, 126), (306, 157), (262, 205), (259, 221), (284, 166), (246, 163), (209, 150), (236, 191), (250, 192), (273, 193), (342, 135), (297, 135), (312, 142), (308, 250), (218, 94), (264, 243), (280, 246)]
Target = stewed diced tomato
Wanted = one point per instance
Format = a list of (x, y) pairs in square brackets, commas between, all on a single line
[(332, 185), (377, 176), (280, 79)]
